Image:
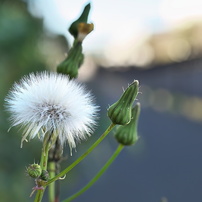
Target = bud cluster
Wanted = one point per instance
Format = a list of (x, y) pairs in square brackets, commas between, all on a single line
[(35, 171), (122, 113), (127, 135), (79, 29)]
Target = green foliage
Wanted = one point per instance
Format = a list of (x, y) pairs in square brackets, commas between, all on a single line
[(19, 54)]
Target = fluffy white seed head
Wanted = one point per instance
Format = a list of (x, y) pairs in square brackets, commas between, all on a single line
[(50, 102)]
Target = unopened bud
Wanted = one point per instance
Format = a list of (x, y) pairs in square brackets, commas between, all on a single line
[(34, 170), (82, 19), (127, 135), (120, 112), (44, 175), (73, 61)]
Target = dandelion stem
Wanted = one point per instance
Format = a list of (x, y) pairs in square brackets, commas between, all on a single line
[(48, 141), (65, 171), (39, 195), (51, 187), (99, 174)]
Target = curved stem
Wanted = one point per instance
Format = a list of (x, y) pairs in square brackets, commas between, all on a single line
[(65, 171), (99, 174)]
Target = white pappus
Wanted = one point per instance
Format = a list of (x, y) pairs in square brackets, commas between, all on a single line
[(46, 102)]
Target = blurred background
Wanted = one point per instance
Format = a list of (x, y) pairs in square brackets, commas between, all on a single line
[(157, 42)]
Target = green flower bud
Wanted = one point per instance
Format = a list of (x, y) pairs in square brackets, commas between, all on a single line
[(73, 29), (73, 61), (44, 175), (120, 112), (34, 170), (127, 135)]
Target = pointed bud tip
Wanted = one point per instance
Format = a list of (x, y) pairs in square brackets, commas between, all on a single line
[(88, 5), (120, 112), (136, 82)]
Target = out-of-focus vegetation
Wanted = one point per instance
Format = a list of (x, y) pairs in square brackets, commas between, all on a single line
[(19, 54), (21, 51), (167, 158)]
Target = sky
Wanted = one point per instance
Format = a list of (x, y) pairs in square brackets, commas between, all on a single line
[(118, 24)]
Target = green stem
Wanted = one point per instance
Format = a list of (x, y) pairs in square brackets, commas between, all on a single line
[(48, 141), (65, 171), (99, 174), (39, 195), (51, 187), (44, 156)]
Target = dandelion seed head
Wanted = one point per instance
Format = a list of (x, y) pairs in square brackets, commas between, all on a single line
[(46, 102)]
